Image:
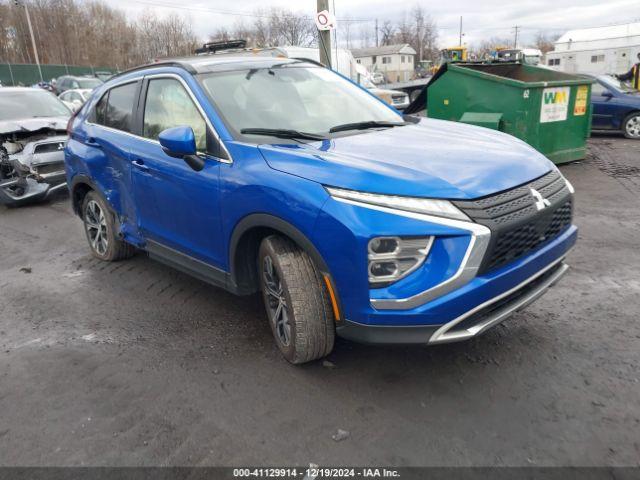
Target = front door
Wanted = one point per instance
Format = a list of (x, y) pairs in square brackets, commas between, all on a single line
[(178, 208), (603, 107)]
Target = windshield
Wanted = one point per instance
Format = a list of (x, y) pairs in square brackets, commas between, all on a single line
[(30, 104), (89, 83), (616, 84), (299, 97)]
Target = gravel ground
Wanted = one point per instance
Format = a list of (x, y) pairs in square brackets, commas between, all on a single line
[(136, 364)]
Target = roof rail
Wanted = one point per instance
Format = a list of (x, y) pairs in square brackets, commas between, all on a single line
[(168, 63), (309, 60), (213, 47)]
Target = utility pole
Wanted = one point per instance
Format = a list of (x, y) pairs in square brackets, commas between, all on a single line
[(420, 40), (515, 43), (460, 30), (377, 44), (33, 40), (324, 37)]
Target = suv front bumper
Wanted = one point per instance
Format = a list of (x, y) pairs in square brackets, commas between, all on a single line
[(472, 323), (473, 308)]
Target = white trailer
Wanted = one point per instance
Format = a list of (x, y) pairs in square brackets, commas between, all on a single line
[(600, 50)]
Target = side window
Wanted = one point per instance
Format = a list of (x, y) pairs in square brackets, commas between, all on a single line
[(119, 111), (597, 89), (64, 97), (101, 108), (169, 105)]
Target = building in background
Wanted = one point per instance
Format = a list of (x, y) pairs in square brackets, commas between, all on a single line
[(395, 62), (599, 50)]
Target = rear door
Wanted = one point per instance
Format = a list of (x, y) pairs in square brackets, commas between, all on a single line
[(108, 139), (178, 208)]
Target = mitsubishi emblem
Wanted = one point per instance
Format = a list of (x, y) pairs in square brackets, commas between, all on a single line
[(541, 202), (60, 146)]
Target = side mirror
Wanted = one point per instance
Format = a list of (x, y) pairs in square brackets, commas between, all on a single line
[(180, 142), (607, 93)]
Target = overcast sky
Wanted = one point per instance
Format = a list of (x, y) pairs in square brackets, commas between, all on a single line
[(481, 18)]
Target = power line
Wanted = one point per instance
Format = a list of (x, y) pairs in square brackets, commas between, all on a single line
[(232, 13), (266, 15)]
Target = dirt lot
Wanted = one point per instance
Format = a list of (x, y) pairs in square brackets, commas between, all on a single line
[(136, 364)]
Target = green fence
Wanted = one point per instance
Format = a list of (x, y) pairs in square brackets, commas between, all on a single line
[(13, 74)]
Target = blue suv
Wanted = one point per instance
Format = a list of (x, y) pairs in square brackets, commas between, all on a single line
[(282, 177)]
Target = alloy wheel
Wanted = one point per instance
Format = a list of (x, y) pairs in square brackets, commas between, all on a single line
[(96, 225), (276, 302), (633, 127)]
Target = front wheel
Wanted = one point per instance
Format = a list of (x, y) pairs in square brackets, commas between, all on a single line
[(296, 301), (631, 126)]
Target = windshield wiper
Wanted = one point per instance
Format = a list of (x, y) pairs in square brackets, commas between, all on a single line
[(365, 125), (282, 133)]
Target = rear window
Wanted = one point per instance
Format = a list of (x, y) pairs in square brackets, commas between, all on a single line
[(88, 83), (115, 108)]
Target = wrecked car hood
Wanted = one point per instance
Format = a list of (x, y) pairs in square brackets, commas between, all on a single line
[(33, 125)]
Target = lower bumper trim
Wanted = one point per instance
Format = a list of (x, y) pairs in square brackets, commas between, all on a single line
[(494, 311), (385, 334), (470, 324)]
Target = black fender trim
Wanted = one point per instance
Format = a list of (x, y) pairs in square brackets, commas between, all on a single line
[(263, 220), (84, 180)]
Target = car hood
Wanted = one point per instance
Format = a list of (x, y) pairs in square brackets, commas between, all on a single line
[(33, 125), (632, 99), (434, 158)]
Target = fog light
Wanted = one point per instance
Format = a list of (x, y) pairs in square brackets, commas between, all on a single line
[(383, 269), (393, 258), (382, 245)]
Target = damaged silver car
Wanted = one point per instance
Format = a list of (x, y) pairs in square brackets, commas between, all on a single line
[(33, 135)]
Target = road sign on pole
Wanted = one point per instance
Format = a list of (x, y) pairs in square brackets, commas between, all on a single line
[(325, 20)]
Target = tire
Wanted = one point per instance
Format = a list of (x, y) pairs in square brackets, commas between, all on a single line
[(631, 126), (99, 226), (296, 301)]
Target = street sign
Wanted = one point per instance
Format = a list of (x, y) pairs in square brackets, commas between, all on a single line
[(325, 20)]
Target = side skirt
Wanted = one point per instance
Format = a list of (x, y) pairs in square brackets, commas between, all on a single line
[(189, 265)]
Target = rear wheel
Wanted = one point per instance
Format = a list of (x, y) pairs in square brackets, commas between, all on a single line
[(631, 126), (296, 301), (100, 228)]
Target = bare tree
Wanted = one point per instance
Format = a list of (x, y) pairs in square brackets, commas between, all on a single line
[(91, 33), (545, 42), (387, 32), (272, 28)]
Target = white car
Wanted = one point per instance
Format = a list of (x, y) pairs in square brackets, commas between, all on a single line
[(377, 78), (74, 99)]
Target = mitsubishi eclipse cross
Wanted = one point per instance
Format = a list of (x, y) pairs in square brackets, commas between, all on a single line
[(282, 177)]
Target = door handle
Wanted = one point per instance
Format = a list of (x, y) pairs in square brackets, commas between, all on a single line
[(139, 164), (91, 142)]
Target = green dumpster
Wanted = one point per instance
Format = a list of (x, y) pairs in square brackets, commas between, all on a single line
[(549, 110)]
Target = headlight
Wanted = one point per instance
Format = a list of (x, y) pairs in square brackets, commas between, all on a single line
[(428, 206), (393, 258)]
